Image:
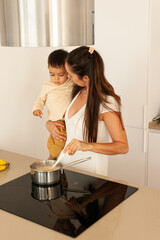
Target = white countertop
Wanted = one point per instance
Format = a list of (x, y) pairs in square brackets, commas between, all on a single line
[(136, 218)]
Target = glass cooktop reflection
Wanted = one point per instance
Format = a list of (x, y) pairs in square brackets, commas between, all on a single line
[(70, 206)]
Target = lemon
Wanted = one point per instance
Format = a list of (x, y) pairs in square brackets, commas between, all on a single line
[(3, 164)]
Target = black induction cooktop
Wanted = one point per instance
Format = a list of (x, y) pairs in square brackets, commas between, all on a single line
[(70, 206)]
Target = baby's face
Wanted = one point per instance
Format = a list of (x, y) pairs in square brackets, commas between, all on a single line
[(58, 75)]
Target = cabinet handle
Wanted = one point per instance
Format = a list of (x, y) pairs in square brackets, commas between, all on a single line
[(144, 140), (145, 108)]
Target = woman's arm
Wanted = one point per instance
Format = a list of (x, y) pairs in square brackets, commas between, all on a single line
[(55, 133), (119, 144)]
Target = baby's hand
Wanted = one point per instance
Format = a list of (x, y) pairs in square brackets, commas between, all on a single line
[(38, 113)]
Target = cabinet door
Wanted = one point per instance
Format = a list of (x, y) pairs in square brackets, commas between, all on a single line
[(121, 37), (154, 160), (131, 166), (154, 60)]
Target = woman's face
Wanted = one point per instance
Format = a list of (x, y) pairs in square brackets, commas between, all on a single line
[(74, 77)]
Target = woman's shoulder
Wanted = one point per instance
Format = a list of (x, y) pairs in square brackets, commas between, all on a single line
[(110, 106)]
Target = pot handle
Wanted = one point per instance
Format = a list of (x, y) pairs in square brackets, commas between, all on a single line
[(76, 162)]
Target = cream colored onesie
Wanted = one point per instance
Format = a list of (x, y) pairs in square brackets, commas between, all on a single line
[(56, 98)]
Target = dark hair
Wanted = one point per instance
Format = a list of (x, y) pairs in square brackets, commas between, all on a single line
[(83, 63), (57, 58)]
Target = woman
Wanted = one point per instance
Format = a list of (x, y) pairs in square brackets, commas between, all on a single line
[(93, 117)]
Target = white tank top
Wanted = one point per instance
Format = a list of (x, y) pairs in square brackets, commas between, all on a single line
[(74, 127)]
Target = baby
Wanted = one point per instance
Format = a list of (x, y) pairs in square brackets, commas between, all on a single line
[(56, 95)]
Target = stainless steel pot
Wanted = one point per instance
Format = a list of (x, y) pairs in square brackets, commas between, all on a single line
[(39, 176)]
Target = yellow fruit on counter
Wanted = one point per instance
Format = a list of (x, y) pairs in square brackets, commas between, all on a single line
[(3, 164)]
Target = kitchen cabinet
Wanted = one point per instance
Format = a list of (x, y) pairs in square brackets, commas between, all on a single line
[(130, 49), (154, 62), (130, 167), (154, 159), (123, 40)]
